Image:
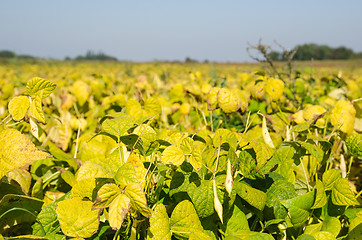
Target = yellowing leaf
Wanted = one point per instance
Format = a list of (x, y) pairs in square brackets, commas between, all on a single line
[(118, 126), (354, 145), (342, 193), (84, 188), (313, 112), (17, 150), (36, 85), (173, 155), (196, 160), (152, 107), (274, 88), (36, 110), (125, 175), (146, 133), (92, 170), (257, 91), (81, 91), (118, 209), (212, 98), (184, 220), (343, 116), (229, 101), (76, 217), (22, 177), (18, 107), (138, 166), (187, 145), (159, 224), (138, 198), (106, 194), (321, 197)]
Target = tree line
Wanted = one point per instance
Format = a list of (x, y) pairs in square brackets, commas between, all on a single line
[(317, 52)]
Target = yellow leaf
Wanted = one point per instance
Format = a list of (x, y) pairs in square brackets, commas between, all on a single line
[(18, 107), (76, 217), (22, 177), (212, 98), (229, 101), (257, 91), (343, 116), (106, 194), (274, 88), (118, 209), (138, 166), (313, 112), (173, 155), (81, 91), (17, 150), (36, 110), (138, 198)]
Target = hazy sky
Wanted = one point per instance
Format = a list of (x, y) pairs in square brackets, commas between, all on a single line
[(172, 30)]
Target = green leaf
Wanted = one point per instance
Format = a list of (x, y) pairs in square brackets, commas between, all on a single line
[(199, 235), (254, 197), (106, 194), (313, 150), (353, 143), (279, 190), (184, 220), (18, 107), (48, 219), (301, 127), (202, 197), (323, 235), (118, 209), (16, 216), (147, 135), (133, 141), (263, 153), (355, 233), (138, 199), (26, 237), (159, 224), (16, 150), (321, 197), (173, 155), (76, 217), (329, 177), (299, 206), (187, 145), (249, 235), (332, 225), (118, 126), (342, 193), (125, 175), (305, 237), (237, 222), (36, 85)]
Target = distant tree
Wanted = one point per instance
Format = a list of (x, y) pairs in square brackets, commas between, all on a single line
[(275, 56), (7, 54), (90, 55), (322, 52), (190, 60)]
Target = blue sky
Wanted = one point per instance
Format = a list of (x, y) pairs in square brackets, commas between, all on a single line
[(172, 30)]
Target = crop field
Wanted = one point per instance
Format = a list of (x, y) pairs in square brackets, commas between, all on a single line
[(118, 150)]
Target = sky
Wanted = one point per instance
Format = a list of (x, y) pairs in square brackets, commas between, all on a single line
[(146, 30)]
